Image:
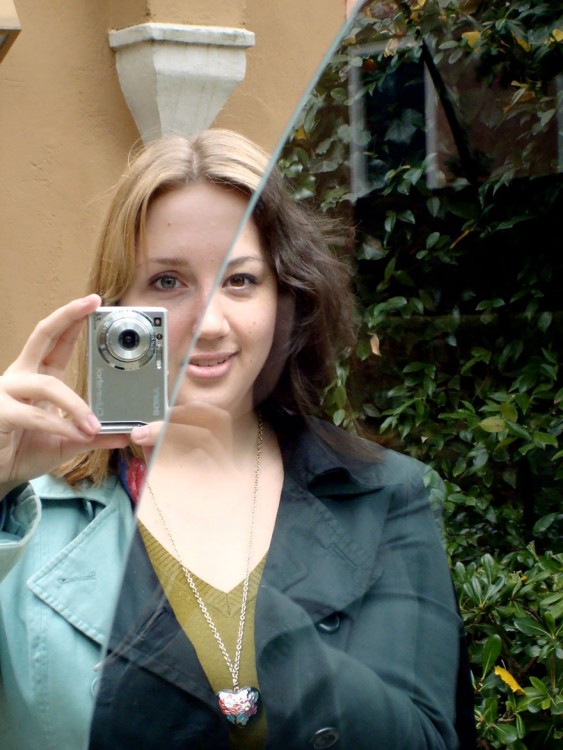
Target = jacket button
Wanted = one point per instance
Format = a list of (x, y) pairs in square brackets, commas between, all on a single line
[(329, 624), (325, 737)]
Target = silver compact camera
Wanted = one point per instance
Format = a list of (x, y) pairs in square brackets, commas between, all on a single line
[(127, 366)]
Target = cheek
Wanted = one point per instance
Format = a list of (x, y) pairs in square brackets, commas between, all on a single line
[(263, 330), (179, 338), (275, 329), (269, 314)]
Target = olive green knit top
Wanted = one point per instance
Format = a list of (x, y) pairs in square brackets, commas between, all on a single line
[(224, 608)]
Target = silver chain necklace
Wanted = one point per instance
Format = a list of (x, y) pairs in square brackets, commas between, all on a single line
[(238, 704)]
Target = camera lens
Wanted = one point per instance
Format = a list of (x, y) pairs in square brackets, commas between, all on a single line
[(129, 339), (126, 339)]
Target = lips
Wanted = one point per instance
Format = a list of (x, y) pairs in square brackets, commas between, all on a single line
[(210, 366), (203, 362)]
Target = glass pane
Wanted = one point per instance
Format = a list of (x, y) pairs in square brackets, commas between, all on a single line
[(287, 584), (284, 562), (435, 133)]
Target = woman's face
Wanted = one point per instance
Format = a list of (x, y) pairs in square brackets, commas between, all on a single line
[(188, 234)]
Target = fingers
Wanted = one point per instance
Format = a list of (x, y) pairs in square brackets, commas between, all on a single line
[(54, 338), (192, 436), (25, 417), (20, 408), (71, 446), (214, 421), (197, 422), (148, 435), (107, 442), (194, 432)]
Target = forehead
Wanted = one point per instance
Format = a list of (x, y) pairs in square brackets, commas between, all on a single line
[(198, 224), (199, 213)]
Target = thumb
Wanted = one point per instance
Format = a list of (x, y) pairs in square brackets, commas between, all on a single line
[(147, 435)]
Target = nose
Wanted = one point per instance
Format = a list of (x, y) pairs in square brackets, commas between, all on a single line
[(212, 323)]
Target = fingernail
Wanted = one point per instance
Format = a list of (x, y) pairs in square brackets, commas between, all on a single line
[(87, 301), (93, 423), (140, 434)]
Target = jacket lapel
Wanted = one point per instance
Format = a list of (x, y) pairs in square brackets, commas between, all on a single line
[(145, 630), (315, 561), (309, 542), (81, 581)]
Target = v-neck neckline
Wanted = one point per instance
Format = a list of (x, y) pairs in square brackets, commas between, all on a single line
[(227, 602)]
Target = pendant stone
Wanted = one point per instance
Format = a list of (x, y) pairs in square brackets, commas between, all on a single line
[(238, 706)]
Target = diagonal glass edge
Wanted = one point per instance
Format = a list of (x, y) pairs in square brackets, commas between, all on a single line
[(275, 154), (254, 198)]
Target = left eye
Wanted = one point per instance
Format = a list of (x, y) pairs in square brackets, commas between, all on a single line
[(241, 280)]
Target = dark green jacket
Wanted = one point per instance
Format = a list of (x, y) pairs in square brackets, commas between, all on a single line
[(357, 630)]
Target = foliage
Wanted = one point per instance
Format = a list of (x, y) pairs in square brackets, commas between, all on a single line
[(455, 209), (513, 611)]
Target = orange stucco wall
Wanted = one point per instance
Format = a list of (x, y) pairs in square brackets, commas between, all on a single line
[(65, 130)]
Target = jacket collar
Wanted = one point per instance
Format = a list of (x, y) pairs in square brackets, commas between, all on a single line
[(317, 454), (50, 488)]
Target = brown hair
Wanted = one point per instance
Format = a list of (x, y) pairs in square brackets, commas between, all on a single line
[(294, 240)]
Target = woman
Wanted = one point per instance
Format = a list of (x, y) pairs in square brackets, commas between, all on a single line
[(287, 586)]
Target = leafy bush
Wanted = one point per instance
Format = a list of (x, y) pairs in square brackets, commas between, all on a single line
[(454, 194), (512, 609)]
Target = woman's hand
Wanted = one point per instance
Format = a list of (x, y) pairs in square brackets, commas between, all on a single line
[(194, 449), (193, 431), (43, 422)]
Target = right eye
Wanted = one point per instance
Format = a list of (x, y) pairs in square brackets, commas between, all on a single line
[(166, 282)]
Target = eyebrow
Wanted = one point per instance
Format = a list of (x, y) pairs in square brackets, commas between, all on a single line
[(181, 261)]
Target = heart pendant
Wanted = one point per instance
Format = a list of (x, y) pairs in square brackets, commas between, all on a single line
[(238, 706)]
